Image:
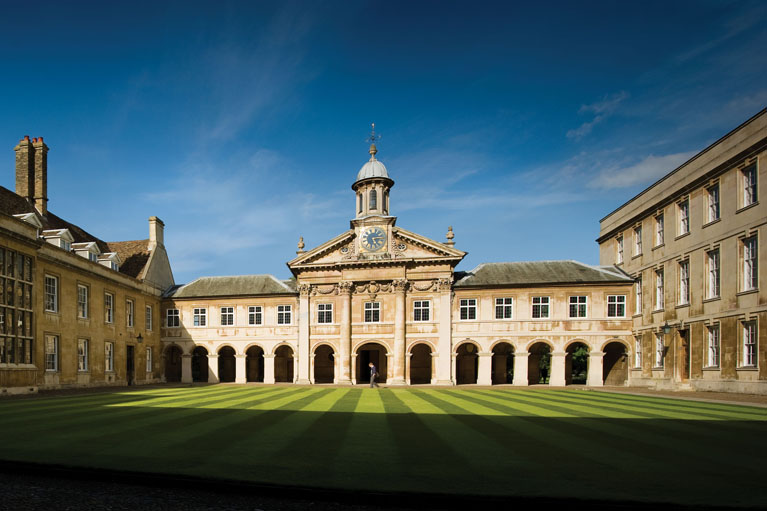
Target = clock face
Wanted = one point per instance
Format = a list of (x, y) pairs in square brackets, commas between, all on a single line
[(373, 239)]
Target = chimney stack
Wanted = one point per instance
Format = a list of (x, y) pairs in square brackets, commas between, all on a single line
[(41, 176), (25, 169), (156, 232)]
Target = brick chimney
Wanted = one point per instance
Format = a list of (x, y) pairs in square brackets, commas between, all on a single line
[(41, 176), (25, 169), (156, 232)]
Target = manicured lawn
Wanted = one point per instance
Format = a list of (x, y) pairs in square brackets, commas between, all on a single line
[(501, 442)]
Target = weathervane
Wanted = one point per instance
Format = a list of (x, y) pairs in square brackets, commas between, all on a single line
[(373, 137)]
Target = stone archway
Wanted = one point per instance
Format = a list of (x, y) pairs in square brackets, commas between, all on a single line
[(371, 352), (173, 364), (577, 364), (324, 364), (254, 364), (283, 364), (615, 370), (420, 364), (227, 371), (539, 363), (200, 364), (467, 364), (503, 363)]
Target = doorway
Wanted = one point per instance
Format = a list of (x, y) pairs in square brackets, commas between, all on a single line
[(131, 365)]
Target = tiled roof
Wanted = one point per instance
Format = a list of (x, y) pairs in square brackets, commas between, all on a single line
[(129, 251), (133, 255), (540, 273), (237, 285)]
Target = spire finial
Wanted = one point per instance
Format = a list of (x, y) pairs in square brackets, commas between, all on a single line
[(450, 236), (373, 137)]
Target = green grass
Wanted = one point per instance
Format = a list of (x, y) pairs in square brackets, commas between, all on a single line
[(528, 442)]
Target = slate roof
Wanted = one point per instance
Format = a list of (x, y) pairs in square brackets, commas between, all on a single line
[(236, 285), (539, 273), (133, 254)]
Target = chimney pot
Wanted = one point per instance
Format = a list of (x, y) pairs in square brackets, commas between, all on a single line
[(26, 137), (40, 139), (156, 232)]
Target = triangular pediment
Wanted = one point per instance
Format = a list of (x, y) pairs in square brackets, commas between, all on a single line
[(403, 246)]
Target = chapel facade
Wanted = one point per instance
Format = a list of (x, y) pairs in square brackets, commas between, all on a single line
[(382, 294)]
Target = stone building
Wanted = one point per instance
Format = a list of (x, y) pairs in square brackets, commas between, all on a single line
[(379, 293), (693, 243), (74, 310)]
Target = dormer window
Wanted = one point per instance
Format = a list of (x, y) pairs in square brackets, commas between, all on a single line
[(110, 260), (373, 200), (88, 250), (59, 238)]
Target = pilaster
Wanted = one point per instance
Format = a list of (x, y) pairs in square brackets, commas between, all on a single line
[(302, 375), (344, 375), (445, 361), (398, 358), (594, 373)]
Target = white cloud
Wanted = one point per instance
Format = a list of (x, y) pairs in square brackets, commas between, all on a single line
[(602, 109), (647, 170)]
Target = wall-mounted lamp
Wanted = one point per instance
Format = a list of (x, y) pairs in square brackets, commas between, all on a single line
[(666, 328), (139, 339)]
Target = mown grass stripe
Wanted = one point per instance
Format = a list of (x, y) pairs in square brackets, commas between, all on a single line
[(581, 410), (96, 415)]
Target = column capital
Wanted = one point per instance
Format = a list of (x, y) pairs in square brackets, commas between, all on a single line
[(445, 284), (269, 355), (596, 354), (238, 355), (212, 355), (345, 287), (521, 353), (400, 285), (485, 353), (304, 290), (186, 355)]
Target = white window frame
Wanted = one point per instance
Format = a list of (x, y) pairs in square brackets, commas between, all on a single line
[(372, 312), (284, 314), (130, 311), (255, 315), (638, 240), (51, 287), (713, 202), (82, 355), (637, 352), (578, 304), (713, 265), (149, 361), (750, 344), (659, 351), (148, 318), (750, 279), (325, 313), (51, 353), (660, 299), (618, 304), (749, 185), (109, 308), (683, 209), (504, 307), (541, 304), (467, 309), (660, 235), (83, 300), (421, 310), (226, 315), (172, 318), (638, 295), (199, 316), (619, 249), (713, 346), (109, 357), (684, 282)]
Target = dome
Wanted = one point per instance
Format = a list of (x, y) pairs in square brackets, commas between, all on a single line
[(373, 168)]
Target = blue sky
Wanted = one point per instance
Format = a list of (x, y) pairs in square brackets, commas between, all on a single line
[(243, 124)]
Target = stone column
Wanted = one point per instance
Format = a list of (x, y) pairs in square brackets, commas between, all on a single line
[(240, 375), (520, 368), (311, 368), (345, 367), (302, 376), (212, 368), (485, 376), (398, 358), (445, 360), (594, 374), (269, 368), (186, 368), (557, 375), (353, 364)]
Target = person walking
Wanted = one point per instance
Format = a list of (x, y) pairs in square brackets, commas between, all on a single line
[(373, 375)]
